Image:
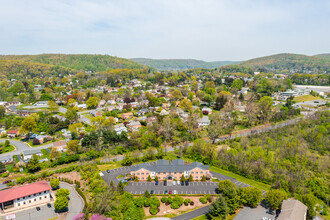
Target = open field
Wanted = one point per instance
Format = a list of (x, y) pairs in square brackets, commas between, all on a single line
[(305, 98)]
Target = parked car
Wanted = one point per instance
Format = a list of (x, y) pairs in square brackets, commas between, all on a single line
[(38, 208), (49, 205), (108, 171), (151, 192), (156, 183), (175, 192), (165, 183), (178, 182), (174, 183), (166, 192), (187, 183), (182, 183), (7, 181), (170, 191)]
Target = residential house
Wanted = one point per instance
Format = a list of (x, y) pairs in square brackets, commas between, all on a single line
[(204, 121), (40, 139), (292, 209), (59, 146), (206, 110), (27, 154), (143, 111), (120, 128), (134, 125), (25, 112), (12, 133), (95, 113), (6, 159), (127, 115), (166, 170), (82, 106)]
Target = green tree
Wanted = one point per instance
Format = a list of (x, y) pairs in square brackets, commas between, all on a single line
[(186, 105), (2, 111), (238, 84), (275, 197), (191, 179), (54, 183), (28, 125), (121, 188), (149, 179), (219, 208), (176, 95), (53, 107), (62, 193), (146, 194), (203, 178), (156, 178), (251, 196), (92, 102), (61, 203), (220, 102), (34, 165), (2, 167), (73, 147), (182, 179)]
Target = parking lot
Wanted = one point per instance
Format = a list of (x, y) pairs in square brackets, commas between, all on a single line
[(31, 213), (141, 187)]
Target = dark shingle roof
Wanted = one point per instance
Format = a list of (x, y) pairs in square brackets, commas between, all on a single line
[(166, 166)]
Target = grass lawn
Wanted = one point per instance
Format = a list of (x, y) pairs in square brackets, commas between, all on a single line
[(257, 184), (202, 217), (305, 98), (7, 149), (104, 167)]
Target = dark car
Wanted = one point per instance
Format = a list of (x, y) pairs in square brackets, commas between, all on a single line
[(166, 192), (165, 183), (187, 183), (151, 192), (38, 208), (271, 212), (108, 171), (49, 205), (170, 191), (182, 183), (156, 183)]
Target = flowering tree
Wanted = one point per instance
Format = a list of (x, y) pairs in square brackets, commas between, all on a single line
[(99, 217), (80, 216)]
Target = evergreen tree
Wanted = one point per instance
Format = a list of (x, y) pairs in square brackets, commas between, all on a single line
[(219, 208), (120, 188), (146, 194)]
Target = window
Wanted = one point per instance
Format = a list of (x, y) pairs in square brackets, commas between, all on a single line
[(201, 177), (24, 197), (18, 199), (192, 172), (45, 192), (29, 201), (164, 173), (143, 178), (174, 172), (45, 197), (34, 194), (142, 173), (35, 200), (18, 204), (23, 203), (158, 172), (138, 173), (40, 198), (201, 172), (29, 196)]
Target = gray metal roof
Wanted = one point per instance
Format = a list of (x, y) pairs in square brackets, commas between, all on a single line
[(166, 166), (31, 152)]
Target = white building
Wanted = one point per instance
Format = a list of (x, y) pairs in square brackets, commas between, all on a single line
[(27, 154), (24, 196)]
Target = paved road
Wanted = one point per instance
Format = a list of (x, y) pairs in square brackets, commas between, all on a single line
[(257, 213), (76, 203), (193, 214), (20, 147)]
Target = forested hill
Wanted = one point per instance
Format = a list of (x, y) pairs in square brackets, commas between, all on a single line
[(290, 63), (323, 55), (78, 62), (180, 64)]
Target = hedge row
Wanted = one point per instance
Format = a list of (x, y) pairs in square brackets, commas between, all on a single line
[(82, 195)]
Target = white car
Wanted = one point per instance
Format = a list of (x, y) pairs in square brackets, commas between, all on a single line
[(178, 182), (175, 192), (174, 183)]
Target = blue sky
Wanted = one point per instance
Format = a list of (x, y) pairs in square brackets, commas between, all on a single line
[(200, 29)]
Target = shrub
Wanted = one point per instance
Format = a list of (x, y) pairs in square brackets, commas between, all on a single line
[(209, 198), (54, 183), (176, 202), (192, 203), (146, 202), (164, 199), (153, 210), (187, 201), (154, 201), (62, 193), (203, 200)]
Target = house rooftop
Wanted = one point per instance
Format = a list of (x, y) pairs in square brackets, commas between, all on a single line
[(166, 166), (292, 209)]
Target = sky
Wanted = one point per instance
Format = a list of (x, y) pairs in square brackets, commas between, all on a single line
[(210, 30)]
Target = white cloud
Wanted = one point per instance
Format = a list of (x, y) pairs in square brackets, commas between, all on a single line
[(202, 29)]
